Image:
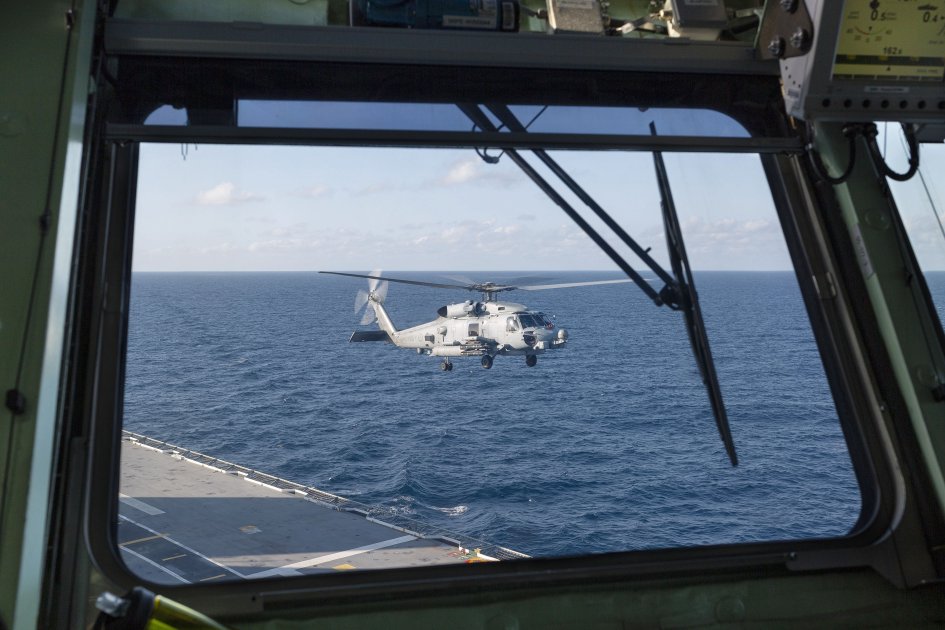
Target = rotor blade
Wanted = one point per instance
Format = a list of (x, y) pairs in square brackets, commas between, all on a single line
[(435, 285), (380, 293), (369, 315), (373, 280), (463, 279), (360, 300), (566, 285)]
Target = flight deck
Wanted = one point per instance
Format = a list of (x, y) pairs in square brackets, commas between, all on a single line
[(186, 517)]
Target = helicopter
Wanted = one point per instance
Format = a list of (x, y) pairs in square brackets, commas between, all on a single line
[(486, 328)]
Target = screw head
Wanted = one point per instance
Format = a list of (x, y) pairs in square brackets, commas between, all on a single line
[(776, 47), (790, 6), (800, 39)]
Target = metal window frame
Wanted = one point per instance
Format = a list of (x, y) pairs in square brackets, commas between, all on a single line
[(888, 518)]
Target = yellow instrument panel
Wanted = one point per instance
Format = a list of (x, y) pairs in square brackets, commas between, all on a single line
[(892, 40)]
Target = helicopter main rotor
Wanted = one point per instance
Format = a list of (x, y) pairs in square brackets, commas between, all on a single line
[(489, 290)]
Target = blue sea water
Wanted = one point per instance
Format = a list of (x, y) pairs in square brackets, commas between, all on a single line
[(608, 444)]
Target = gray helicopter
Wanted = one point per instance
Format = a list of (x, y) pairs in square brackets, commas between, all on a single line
[(486, 328)]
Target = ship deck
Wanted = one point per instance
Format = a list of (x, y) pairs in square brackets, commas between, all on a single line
[(185, 517)]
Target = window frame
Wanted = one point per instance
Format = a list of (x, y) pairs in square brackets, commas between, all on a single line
[(842, 333)]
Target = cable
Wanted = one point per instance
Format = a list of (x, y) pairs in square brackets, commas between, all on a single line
[(908, 130), (850, 131)]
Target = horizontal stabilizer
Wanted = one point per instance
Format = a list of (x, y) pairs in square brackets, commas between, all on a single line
[(370, 335)]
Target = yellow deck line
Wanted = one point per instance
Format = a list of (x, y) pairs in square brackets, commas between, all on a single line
[(137, 540)]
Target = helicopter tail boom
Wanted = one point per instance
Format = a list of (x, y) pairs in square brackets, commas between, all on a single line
[(383, 319)]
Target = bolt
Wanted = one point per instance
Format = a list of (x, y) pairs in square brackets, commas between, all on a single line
[(776, 47), (800, 39), (789, 6), (938, 393)]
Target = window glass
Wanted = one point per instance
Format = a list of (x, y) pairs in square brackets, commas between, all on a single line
[(921, 205), (448, 117), (266, 417)]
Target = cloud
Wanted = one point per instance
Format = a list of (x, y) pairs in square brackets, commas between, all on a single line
[(225, 194), (315, 192), (375, 189), (462, 172), (473, 169)]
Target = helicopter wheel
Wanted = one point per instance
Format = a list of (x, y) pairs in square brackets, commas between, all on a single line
[(446, 366), (531, 360), (486, 361)]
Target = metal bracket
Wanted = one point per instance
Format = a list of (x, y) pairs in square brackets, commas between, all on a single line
[(786, 30)]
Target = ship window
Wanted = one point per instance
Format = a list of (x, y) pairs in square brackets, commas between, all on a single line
[(246, 387), (607, 122), (921, 204)]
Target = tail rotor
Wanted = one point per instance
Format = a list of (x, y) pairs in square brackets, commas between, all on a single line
[(376, 293)]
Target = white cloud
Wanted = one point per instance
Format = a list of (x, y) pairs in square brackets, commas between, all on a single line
[(462, 172), (279, 245), (473, 169), (315, 192), (225, 194)]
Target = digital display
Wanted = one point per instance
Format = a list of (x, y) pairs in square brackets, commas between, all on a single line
[(892, 39)]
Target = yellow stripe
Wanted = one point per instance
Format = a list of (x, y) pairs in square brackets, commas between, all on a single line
[(131, 542), (213, 577)]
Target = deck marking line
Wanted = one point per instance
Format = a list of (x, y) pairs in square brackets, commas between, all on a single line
[(150, 510), (137, 540), (180, 555), (274, 572), (331, 557), (156, 565), (213, 577), (184, 547)]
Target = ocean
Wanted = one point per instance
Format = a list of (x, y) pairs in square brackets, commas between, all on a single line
[(607, 444)]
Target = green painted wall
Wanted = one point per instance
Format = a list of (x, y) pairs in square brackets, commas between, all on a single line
[(42, 108)]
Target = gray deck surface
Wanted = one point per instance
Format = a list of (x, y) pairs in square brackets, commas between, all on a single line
[(181, 522)]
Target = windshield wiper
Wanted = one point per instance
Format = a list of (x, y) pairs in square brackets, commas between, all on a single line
[(679, 291), (688, 301)]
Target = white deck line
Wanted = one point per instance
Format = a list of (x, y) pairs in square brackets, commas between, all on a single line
[(139, 505), (182, 546), (333, 556), (155, 564)]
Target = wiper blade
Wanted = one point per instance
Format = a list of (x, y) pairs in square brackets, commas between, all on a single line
[(688, 301), (679, 293)]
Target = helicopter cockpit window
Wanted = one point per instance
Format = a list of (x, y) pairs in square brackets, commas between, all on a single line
[(527, 320), (549, 432)]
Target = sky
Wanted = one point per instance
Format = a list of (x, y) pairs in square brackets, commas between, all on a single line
[(278, 208)]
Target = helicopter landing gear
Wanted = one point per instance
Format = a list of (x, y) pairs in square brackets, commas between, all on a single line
[(531, 360), (486, 361), (446, 366)]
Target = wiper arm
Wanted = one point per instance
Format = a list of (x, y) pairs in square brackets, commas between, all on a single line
[(688, 300), (479, 118)]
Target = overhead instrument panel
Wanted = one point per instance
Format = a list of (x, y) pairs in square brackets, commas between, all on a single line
[(869, 60), (902, 40)]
